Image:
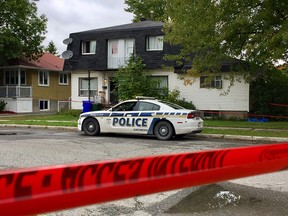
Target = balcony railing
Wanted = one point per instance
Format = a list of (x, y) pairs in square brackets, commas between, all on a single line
[(16, 91), (116, 62)]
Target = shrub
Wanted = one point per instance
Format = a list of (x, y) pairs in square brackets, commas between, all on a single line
[(174, 97), (2, 105)]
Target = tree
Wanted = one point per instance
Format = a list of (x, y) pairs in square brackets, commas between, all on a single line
[(149, 9), (253, 31), (269, 93), (132, 80), (21, 31), (51, 48), (210, 31)]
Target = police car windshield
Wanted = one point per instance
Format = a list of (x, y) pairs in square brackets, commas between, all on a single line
[(174, 106)]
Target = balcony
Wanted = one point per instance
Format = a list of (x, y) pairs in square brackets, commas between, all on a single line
[(116, 62), (15, 91)]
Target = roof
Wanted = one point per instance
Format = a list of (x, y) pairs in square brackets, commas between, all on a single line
[(130, 26), (47, 61)]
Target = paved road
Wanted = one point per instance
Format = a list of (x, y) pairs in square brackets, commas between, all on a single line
[(261, 195)]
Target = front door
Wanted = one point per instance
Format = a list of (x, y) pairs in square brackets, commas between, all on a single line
[(112, 92)]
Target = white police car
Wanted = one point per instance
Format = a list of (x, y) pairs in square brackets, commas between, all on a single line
[(142, 116)]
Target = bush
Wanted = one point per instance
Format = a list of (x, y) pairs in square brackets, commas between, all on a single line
[(2, 105), (173, 97)]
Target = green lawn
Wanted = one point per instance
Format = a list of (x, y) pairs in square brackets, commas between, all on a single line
[(253, 132), (246, 124), (226, 127)]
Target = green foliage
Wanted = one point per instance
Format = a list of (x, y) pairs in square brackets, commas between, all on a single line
[(51, 48), (253, 31), (71, 112), (132, 81), (210, 31), (144, 8), (174, 97), (2, 105), (268, 91), (21, 30)]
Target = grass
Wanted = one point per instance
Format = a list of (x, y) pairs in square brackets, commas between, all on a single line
[(226, 127), (47, 120), (245, 124), (252, 132)]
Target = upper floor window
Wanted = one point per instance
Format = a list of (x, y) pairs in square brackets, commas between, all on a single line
[(63, 78), (43, 78), (211, 82), (119, 51), (114, 47), (12, 77), (89, 47), (154, 43)]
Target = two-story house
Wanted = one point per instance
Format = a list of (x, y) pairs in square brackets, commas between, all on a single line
[(34, 85), (97, 54)]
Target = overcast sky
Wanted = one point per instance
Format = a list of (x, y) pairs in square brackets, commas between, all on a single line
[(69, 16)]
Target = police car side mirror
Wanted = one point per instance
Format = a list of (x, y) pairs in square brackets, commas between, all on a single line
[(111, 109)]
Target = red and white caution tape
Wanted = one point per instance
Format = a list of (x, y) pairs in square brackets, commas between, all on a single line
[(44, 189)]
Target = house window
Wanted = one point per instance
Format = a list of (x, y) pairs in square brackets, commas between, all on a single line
[(162, 83), (119, 52), (84, 87), (44, 105), (162, 80), (43, 78), (114, 47), (88, 47), (63, 78), (12, 77), (154, 43), (211, 82)]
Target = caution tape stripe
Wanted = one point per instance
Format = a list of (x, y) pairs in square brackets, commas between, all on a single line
[(39, 190)]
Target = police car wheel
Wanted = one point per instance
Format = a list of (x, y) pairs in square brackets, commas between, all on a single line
[(163, 130), (91, 127)]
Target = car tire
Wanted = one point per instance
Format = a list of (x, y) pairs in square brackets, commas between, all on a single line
[(163, 130), (91, 127)]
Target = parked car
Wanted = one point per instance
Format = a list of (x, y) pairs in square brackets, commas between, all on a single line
[(142, 116)]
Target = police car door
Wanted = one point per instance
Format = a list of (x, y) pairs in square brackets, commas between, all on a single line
[(146, 115), (122, 118)]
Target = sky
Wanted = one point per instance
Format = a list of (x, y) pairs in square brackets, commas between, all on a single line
[(69, 16)]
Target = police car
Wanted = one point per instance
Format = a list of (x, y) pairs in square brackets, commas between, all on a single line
[(142, 116)]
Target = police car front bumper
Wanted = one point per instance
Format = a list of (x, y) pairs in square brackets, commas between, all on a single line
[(79, 125)]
